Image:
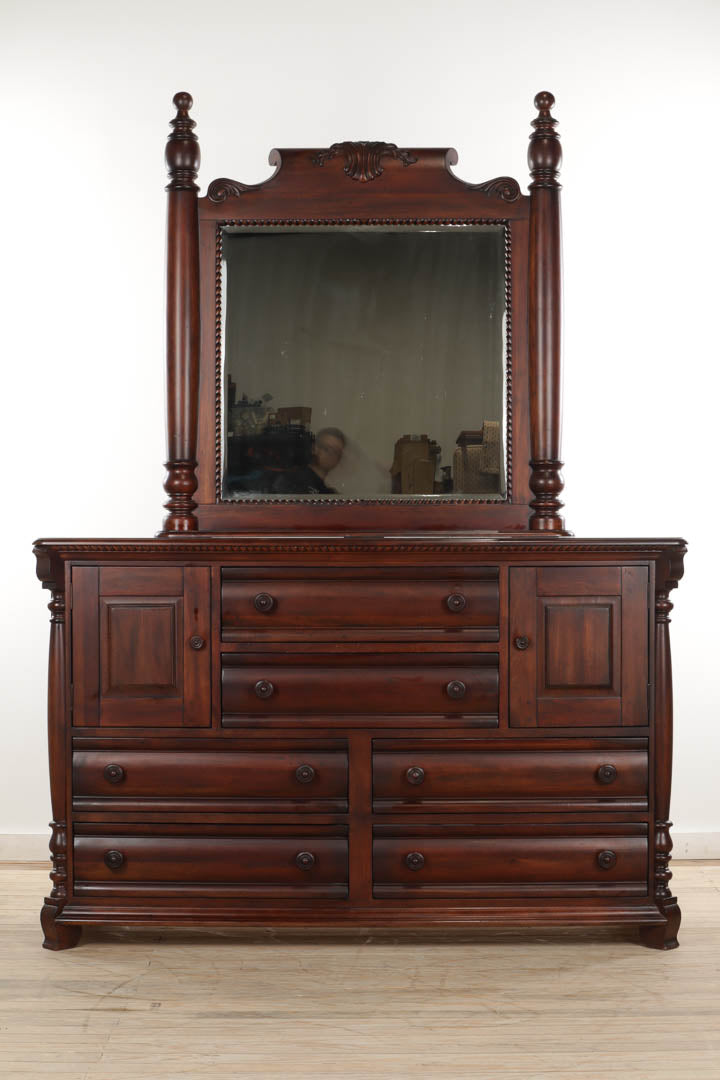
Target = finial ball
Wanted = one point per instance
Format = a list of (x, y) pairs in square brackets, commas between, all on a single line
[(183, 101), (544, 100)]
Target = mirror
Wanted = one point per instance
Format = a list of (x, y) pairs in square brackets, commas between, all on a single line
[(364, 362)]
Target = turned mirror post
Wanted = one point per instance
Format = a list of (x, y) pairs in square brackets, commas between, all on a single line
[(182, 155), (545, 314)]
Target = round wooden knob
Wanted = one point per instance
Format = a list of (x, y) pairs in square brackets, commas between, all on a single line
[(522, 643), (305, 860), (113, 859), (264, 603), (415, 860), (114, 773), (264, 688), (456, 689), (415, 775), (197, 642), (304, 773), (606, 774), (456, 602), (606, 859)]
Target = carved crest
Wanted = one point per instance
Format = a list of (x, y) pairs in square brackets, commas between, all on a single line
[(363, 160)]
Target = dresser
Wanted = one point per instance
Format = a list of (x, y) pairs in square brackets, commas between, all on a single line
[(332, 709)]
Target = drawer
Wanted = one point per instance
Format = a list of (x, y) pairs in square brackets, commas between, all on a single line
[(310, 684), (247, 780), (510, 862), (354, 605), (461, 779), (305, 864)]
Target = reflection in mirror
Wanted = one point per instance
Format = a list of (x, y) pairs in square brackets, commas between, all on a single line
[(364, 362)]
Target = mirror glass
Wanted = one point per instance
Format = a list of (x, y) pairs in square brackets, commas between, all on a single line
[(364, 362)]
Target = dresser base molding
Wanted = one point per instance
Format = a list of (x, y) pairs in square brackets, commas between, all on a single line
[(655, 930)]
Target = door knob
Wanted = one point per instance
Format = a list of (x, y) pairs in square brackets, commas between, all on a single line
[(456, 689), (114, 773), (264, 603), (264, 688), (606, 774), (456, 602)]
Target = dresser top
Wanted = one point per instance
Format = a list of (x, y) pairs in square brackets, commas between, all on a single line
[(360, 548)]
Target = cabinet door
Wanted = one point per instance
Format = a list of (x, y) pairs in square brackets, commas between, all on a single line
[(579, 646), (141, 646)]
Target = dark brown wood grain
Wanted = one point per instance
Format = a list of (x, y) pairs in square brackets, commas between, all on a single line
[(57, 936), (462, 684), (463, 780), (261, 779), (545, 319), (664, 937), (363, 607), (182, 155), (354, 713), (586, 658), (415, 187), (491, 865), (265, 865)]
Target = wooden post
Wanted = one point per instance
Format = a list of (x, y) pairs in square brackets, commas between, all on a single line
[(57, 935), (545, 315), (182, 155), (663, 936)]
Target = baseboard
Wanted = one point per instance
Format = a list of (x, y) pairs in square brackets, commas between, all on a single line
[(24, 847), (695, 845), (33, 847)]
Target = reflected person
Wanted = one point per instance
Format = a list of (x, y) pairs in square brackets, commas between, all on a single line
[(328, 447)]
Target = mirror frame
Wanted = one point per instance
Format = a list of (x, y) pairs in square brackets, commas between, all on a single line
[(365, 500)]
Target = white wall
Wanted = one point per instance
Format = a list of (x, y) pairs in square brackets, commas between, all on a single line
[(84, 118)]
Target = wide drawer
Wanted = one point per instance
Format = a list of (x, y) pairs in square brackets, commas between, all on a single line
[(303, 864), (498, 862), (357, 605), (263, 780), (298, 685), (417, 777)]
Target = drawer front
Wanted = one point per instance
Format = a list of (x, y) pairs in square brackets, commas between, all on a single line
[(365, 607), (460, 780), (487, 865), (239, 780), (268, 865), (426, 684)]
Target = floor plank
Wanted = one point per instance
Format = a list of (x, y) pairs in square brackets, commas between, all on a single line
[(288, 1005)]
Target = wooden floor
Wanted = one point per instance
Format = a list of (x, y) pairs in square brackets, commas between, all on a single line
[(191, 1005)]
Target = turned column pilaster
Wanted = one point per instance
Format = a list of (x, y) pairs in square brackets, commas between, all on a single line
[(665, 936), (57, 936)]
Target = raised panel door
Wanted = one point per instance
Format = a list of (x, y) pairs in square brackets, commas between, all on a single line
[(578, 646), (141, 646)]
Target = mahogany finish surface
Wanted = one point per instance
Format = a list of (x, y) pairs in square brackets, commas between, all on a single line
[(333, 712), (359, 762)]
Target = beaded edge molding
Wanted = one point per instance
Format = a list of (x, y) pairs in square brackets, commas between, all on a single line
[(675, 549), (415, 500)]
